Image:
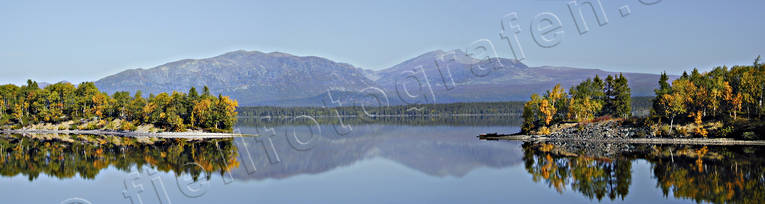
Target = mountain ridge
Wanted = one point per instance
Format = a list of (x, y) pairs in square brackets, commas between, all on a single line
[(259, 78)]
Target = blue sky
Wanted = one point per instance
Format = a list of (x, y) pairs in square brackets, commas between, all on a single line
[(87, 40)]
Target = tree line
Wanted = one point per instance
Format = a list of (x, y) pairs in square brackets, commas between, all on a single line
[(589, 99), (482, 108), (722, 94), (60, 102), (492, 120)]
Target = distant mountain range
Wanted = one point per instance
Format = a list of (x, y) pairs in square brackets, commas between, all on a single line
[(257, 78)]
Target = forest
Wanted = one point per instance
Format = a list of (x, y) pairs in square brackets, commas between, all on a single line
[(724, 102), (732, 96), (482, 108), (84, 104), (413, 113), (589, 99)]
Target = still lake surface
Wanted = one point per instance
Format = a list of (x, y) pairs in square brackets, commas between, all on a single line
[(422, 161)]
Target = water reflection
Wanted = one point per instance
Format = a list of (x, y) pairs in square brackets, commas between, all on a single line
[(701, 173), (426, 159), (448, 152), (67, 156)]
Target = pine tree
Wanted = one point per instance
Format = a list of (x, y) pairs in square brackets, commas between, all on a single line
[(206, 93), (622, 97), (193, 95), (664, 88), (610, 98)]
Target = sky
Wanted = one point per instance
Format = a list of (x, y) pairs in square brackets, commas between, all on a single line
[(88, 40)]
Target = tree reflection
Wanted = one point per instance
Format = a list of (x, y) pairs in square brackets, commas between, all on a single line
[(719, 175), (700, 173), (68, 156), (593, 177)]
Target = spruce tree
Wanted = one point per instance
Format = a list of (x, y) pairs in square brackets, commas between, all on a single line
[(623, 97), (664, 88), (610, 104)]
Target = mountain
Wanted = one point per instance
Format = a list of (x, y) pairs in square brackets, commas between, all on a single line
[(256, 78), (455, 77), (43, 84), (249, 77)]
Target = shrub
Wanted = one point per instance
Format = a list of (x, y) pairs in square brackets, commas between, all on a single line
[(701, 131), (602, 118), (74, 126), (665, 130), (683, 131), (91, 126), (634, 122), (726, 131), (176, 123), (112, 125), (749, 135), (128, 126), (544, 131)]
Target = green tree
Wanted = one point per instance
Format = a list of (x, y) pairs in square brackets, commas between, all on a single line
[(206, 93), (121, 104), (193, 95), (622, 97), (84, 94), (135, 109), (664, 88), (531, 115), (226, 113)]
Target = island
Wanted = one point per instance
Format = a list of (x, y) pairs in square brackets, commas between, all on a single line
[(64, 108), (722, 106)]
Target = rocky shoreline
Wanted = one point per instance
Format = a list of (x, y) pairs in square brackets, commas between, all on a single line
[(612, 131)]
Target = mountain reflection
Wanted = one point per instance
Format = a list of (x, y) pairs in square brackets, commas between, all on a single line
[(440, 151), (67, 156), (700, 173)]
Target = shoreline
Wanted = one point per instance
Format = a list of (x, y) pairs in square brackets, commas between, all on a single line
[(676, 141), (126, 133)]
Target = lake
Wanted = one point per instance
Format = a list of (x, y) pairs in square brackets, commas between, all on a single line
[(390, 161)]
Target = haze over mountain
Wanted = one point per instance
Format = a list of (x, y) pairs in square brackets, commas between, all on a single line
[(249, 77), (256, 78)]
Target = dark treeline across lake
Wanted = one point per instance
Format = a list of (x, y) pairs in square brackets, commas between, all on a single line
[(495, 120), (641, 106)]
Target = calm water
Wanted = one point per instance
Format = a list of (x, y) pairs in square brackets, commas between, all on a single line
[(389, 162)]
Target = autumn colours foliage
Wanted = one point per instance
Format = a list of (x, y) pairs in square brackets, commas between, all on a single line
[(56, 103), (585, 101), (721, 95)]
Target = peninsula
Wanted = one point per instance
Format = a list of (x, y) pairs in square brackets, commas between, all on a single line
[(64, 108), (722, 106)]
